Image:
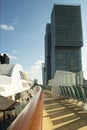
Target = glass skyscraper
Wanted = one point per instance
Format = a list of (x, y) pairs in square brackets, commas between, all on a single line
[(65, 39), (48, 52)]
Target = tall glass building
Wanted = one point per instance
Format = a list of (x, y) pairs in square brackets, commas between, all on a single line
[(66, 39), (48, 52)]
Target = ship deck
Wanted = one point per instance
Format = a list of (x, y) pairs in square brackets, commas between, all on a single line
[(63, 114)]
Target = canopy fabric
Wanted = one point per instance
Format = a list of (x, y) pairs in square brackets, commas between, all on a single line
[(5, 103)]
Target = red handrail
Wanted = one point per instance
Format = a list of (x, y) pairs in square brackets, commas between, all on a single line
[(31, 117)]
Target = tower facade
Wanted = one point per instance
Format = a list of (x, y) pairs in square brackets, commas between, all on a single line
[(48, 52), (66, 39)]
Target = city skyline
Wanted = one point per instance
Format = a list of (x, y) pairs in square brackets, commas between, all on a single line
[(22, 30)]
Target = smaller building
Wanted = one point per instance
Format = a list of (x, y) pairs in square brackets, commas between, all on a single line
[(4, 59), (44, 74), (64, 78)]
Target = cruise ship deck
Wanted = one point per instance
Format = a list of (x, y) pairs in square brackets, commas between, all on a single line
[(63, 114)]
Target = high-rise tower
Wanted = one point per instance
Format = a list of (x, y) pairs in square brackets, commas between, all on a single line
[(48, 52), (66, 39)]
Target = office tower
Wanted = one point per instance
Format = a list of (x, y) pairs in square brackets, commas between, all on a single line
[(48, 52), (44, 74), (65, 39)]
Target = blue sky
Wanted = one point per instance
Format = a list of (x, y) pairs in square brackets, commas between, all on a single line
[(22, 30)]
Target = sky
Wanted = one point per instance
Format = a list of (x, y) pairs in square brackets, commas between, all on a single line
[(22, 31)]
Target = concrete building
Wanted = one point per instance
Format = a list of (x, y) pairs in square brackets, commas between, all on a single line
[(61, 78), (63, 40), (64, 78)]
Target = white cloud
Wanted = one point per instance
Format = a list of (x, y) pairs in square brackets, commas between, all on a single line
[(14, 51), (13, 57), (35, 72), (7, 27)]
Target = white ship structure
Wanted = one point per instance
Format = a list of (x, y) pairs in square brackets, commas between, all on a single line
[(12, 80)]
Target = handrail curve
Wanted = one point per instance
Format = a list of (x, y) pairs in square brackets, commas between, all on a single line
[(31, 117)]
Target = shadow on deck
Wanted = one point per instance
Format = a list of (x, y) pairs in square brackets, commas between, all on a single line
[(63, 114)]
